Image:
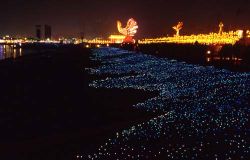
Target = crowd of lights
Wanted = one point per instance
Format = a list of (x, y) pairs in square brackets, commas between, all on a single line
[(98, 41), (203, 112), (213, 38), (13, 41)]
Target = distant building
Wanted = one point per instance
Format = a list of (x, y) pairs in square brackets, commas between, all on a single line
[(47, 32), (82, 36), (38, 32)]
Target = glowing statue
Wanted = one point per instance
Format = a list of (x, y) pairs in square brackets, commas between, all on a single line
[(129, 31), (177, 28), (221, 25)]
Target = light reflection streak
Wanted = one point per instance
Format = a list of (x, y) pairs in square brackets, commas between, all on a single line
[(10, 51)]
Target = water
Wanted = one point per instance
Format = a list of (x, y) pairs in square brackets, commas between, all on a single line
[(10, 51), (234, 59)]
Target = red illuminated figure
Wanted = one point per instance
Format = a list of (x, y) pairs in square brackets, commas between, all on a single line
[(129, 31)]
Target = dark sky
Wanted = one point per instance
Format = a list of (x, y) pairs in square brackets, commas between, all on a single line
[(98, 17)]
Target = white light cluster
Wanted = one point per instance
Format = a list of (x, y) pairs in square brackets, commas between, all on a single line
[(203, 112)]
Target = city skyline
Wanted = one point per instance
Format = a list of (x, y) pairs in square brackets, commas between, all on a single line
[(98, 19)]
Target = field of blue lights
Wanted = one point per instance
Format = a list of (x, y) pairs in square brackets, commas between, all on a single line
[(203, 112)]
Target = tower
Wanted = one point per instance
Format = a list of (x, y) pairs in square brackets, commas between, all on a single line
[(38, 32), (47, 32)]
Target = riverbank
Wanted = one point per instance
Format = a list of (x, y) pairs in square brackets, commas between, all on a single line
[(48, 111), (234, 58)]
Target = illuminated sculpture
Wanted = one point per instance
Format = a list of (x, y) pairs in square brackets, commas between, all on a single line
[(240, 33), (221, 25), (129, 31), (177, 28)]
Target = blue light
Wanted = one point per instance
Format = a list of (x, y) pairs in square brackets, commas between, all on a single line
[(206, 105)]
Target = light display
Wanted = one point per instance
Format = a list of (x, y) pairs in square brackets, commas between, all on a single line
[(240, 34), (212, 38), (221, 25), (203, 112), (177, 28), (129, 31), (116, 38), (220, 38)]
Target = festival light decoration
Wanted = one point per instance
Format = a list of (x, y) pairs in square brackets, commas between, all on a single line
[(248, 33), (208, 39), (203, 112), (117, 38), (240, 34), (98, 41), (221, 25), (129, 31), (220, 38), (177, 28)]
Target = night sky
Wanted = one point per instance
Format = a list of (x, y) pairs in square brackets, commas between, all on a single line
[(97, 18)]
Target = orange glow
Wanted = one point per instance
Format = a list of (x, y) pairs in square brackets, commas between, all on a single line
[(221, 25), (208, 39), (116, 38), (130, 29), (177, 28)]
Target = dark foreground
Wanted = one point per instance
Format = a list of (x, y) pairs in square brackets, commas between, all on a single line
[(49, 112)]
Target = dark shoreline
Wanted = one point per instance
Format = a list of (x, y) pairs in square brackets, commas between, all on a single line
[(49, 112), (197, 54)]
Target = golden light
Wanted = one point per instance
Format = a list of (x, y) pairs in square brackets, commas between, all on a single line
[(207, 39), (208, 59), (248, 34), (240, 33), (221, 25), (116, 38), (130, 29), (177, 28)]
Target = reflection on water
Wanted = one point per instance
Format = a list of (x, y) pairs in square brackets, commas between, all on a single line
[(10, 51), (228, 57), (234, 60), (231, 62)]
